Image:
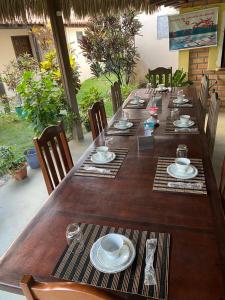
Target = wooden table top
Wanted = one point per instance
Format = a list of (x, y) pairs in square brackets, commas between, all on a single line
[(196, 222)]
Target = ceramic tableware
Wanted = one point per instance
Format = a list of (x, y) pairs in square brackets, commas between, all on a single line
[(161, 86), (111, 245), (110, 156), (184, 119), (190, 173), (180, 124), (123, 125), (102, 152), (182, 164)]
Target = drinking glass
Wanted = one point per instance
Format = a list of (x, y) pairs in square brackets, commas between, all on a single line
[(174, 114), (74, 235), (182, 150)]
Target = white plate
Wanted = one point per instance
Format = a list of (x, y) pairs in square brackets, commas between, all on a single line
[(190, 173), (110, 268), (178, 123), (161, 90), (128, 125), (118, 261), (110, 157), (135, 102), (180, 102)]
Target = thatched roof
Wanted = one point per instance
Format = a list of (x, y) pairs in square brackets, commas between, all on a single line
[(22, 10)]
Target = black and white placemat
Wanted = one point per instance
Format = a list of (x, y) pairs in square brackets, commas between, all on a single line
[(171, 129), (136, 106), (77, 267), (123, 132), (164, 182), (108, 170)]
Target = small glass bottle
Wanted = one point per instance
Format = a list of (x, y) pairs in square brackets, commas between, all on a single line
[(182, 151)]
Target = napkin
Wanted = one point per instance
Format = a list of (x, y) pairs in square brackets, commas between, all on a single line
[(97, 170), (150, 278), (186, 185), (186, 129)]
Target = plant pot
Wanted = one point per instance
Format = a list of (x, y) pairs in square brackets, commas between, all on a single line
[(19, 111), (21, 173), (31, 157)]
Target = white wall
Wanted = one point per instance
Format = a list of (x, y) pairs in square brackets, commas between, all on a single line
[(83, 65), (6, 47), (154, 53)]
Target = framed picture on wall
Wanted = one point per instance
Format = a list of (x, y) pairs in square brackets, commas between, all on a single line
[(193, 30)]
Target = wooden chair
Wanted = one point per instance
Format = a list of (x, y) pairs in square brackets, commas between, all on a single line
[(117, 100), (204, 92), (34, 290), (97, 118), (160, 75), (222, 184), (214, 107), (54, 155)]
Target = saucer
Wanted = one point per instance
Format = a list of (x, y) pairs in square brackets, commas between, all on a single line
[(109, 157), (110, 266), (119, 126), (180, 102), (178, 123), (191, 172), (161, 89)]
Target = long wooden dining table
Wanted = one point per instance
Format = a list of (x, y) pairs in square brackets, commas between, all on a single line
[(195, 222)]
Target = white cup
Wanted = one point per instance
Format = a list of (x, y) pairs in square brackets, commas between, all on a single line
[(112, 245), (161, 86), (180, 97), (184, 119), (122, 123), (182, 164), (102, 151)]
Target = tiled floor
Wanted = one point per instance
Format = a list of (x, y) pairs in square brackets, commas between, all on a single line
[(34, 194)]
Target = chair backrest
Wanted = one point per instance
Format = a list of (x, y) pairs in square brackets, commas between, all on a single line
[(34, 290), (54, 155), (97, 118), (117, 100), (204, 91), (214, 107), (160, 75), (222, 183)]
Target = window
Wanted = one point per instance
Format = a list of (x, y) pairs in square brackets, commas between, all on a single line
[(21, 45), (79, 35), (162, 27)]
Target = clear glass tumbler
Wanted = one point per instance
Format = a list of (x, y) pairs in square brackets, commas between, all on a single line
[(174, 114), (74, 235), (182, 151)]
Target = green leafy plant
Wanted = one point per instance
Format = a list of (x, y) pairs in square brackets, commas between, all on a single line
[(6, 159), (43, 99), (89, 98), (180, 79), (127, 89), (109, 45), (17, 164)]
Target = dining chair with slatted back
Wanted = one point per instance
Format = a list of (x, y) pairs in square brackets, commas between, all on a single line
[(54, 155), (222, 183), (97, 118), (117, 100), (213, 113), (204, 91), (34, 290), (161, 75)]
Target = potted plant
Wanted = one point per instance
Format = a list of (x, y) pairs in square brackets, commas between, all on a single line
[(18, 168), (31, 157)]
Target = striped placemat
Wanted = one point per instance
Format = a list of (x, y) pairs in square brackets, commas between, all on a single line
[(75, 266), (162, 178), (171, 129), (123, 132), (138, 106), (109, 170)]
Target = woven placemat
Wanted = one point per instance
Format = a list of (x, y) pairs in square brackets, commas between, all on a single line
[(171, 129), (77, 267), (162, 178), (138, 106), (123, 132), (109, 170)]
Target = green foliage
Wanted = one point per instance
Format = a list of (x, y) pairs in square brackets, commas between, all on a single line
[(180, 79), (88, 99), (43, 99), (109, 45), (6, 158), (127, 89)]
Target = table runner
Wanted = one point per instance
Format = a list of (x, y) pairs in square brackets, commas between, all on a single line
[(140, 106), (111, 167), (162, 178), (126, 132), (77, 267), (171, 129)]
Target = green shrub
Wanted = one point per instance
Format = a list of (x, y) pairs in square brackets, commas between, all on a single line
[(127, 89), (88, 99)]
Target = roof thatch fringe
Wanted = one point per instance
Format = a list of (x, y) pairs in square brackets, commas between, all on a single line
[(23, 10)]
